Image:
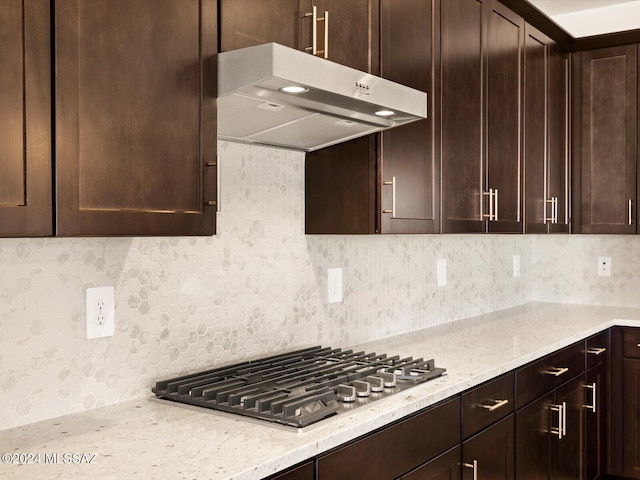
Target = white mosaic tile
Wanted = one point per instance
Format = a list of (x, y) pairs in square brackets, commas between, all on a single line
[(256, 288)]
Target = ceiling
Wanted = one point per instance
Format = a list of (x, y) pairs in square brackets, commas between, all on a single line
[(583, 18)]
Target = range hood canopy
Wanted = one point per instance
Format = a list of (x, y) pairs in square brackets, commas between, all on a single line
[(330, 103)]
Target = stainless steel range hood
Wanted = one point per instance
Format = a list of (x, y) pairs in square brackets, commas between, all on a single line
[(334, 103)]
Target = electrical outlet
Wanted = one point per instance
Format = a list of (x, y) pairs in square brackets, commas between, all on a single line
[(100, 311), (604, 266), (516, 265), (334, 285), (441, 272)]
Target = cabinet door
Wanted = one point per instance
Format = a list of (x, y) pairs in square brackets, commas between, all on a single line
[(135, 117), (533, 423), (245, 23), (490, 454), (462, 117), (505, 39), (444, 467), (537, 210), (631, 418), (303, 472), (407, 165), (557, 134), (352, 30), (567, 452), (608, 146), (25, 119), (596, 409)]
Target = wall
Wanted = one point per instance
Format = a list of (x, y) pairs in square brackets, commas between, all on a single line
[(257, 287), (565, 269)]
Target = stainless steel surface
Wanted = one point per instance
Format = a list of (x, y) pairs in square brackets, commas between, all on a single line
[(490, 194), (363, 389), (496, 405), (474, 466), (596, 351), (346, 393), (376, 383), (339, 103), (557, 371), (591, 387)]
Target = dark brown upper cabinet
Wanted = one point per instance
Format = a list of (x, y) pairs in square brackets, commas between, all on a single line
[(481, 59), (545, 155), (135, 117), (384, 183), (25, 119), (344, 32), (605, 147)]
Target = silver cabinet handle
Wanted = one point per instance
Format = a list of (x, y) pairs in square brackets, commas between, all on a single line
[(473, 465), (314, 32), (393, 197), (496, 405), (490, 193), (218, 195), (596, 351), (591, 387), (548, 219), (630, 212), (556, 210), (495, 217), (556, 371), (561, 429)]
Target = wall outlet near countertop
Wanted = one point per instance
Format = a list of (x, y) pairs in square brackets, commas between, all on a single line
[(516, 266), (604, 266), (100, 312), (441, 272), (334, 285)]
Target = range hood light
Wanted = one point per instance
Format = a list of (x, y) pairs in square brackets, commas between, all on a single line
[(385, 113), (294, 89)]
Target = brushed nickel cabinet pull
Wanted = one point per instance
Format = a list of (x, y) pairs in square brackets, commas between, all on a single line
[(473, 465), (555, 210), (325, 19), (630, 212), (314, 30), (557, 371), (490, 195), (496, 405), (392, 183), (549, 219), (216, 202), (495, 217), (591, 387), (559, 430), (596, 351)]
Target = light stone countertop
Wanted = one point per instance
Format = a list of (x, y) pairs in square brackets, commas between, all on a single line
[(147, 439)]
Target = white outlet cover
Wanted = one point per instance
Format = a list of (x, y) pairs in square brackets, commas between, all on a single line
[(100, 312), (604, 266), (516, 265), (334, 285), (441, 272)]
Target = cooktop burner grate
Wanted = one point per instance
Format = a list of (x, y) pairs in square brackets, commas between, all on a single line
[(299, 388)]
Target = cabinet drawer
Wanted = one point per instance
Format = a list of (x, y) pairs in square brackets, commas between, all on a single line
[(597, 349), (631, 342), (303, 472), (487, 404), (393, 451), (547, 373)]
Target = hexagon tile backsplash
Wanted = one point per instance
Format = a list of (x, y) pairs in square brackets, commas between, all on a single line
[(256, 288)]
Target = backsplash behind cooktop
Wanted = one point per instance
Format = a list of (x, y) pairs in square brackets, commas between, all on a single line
[(256, 288)]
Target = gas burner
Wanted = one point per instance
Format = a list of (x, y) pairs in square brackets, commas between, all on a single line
[(299, 388)]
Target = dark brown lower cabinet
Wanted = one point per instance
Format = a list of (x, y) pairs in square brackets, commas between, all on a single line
[(490, 453), (549, 435), (624, 429), (444, 467), (596, 408), (398, 449)]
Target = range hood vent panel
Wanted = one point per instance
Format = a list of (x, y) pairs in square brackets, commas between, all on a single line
[(340, 103)]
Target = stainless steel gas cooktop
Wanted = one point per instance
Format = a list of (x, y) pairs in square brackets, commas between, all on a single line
[(299, 388)]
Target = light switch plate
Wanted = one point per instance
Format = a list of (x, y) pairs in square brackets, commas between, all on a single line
[(441, 269), (334, 285), (100, 312)]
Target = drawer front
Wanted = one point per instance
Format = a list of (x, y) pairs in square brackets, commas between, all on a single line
[(303, 472), (398, 449), (597, 350), (487, 404), (631, 342), (547, 373)]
